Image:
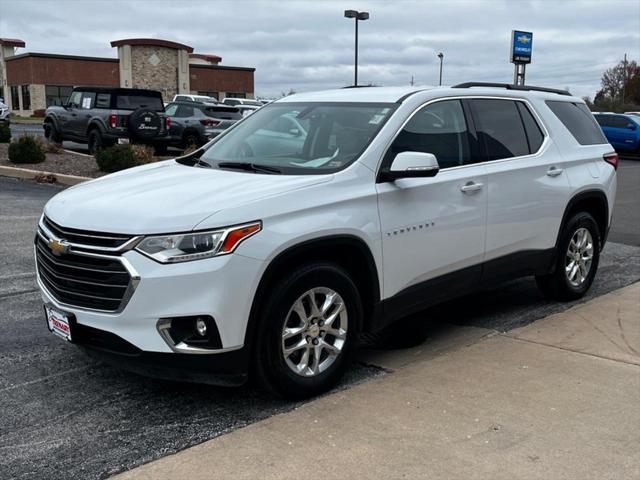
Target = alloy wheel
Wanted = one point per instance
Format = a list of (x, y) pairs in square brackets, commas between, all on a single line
[(579, 257), (314, 331)]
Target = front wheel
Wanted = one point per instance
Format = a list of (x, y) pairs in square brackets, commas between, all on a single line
[(307, 331), (577, 260)]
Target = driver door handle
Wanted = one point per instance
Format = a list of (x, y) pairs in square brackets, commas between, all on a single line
[(471, 187), (554, 171)]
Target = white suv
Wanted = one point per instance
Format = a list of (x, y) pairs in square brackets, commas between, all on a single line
[(320, 217)]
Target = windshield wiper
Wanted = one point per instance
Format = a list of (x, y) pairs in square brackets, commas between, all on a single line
[(249, 167)]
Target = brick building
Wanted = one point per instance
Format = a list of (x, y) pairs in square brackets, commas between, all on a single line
[(32, 81)]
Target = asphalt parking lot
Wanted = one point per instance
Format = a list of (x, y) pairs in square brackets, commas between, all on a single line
[(66, 416)]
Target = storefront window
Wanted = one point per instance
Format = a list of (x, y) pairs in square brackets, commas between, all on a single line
[(15, 98), (26, 97), (236, 95), (57, 95)]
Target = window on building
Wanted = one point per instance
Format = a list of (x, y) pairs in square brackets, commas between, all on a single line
[(57, 95), (15, 98), (26, 97), (236, 95), (579, 121), (210, 94), (439, 128)]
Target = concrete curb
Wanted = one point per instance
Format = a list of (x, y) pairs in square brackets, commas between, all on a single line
[(27, 174)]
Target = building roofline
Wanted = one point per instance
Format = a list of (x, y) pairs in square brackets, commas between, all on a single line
[(61, 57), (206, 56), (12, 42), (221, 67), (157, 42)]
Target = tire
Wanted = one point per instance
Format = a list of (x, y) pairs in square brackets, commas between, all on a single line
[(160, 149), (288, 375), (573, 275), (51, 132), (191, 139), (95, 141)]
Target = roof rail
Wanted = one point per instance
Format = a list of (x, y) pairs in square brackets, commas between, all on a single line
[(510, 86)]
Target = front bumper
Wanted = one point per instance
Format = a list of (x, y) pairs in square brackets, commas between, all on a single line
[(222, 287)]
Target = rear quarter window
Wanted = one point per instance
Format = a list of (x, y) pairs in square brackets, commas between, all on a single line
[(577, 118)]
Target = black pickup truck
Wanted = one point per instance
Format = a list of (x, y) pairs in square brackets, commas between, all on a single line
[(103, 116)]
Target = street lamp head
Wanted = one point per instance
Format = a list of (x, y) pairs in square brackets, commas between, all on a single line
[(350, 13), (441, 55), (363, 16)]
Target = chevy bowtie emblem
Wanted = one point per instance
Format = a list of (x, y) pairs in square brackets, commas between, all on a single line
[(58, 247), (524, 39)]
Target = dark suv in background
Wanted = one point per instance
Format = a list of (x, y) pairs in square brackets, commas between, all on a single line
[(103, 116), (195, 123)]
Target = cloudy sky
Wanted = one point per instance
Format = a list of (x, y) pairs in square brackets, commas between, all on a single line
[(308, 45)]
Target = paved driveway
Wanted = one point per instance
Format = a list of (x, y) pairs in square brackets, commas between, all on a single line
[(66, 416)]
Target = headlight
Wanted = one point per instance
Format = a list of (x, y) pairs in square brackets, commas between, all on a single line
[(184, 247)]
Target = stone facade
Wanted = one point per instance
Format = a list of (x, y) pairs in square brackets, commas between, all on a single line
[(155, 68)]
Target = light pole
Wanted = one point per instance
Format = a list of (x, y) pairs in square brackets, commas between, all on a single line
[(441, 57), (356, 16)]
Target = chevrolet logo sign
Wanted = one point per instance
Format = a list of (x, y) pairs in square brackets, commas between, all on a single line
[(58, 247), (524, 39)]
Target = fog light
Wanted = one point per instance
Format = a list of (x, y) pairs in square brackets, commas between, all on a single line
[(201, 327)]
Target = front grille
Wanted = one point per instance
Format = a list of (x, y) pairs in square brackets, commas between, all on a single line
[(84, 237), (75, 279)]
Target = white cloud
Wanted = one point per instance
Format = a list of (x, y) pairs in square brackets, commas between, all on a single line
[(306, 45)]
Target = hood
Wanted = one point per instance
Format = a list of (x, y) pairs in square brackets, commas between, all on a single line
[(165, 197)]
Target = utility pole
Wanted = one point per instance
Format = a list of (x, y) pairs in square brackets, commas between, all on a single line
[(411, 82)]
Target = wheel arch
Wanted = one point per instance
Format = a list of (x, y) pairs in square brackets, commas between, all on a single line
[(594, 202), (93, 124), (347, 251)]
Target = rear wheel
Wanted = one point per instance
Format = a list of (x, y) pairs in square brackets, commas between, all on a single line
[(577, 260), (307, 331), (95, 141)]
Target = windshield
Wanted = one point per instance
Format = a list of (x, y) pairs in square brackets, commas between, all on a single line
[(301, 138)]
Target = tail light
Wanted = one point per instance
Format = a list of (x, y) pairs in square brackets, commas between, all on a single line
[(611, 159), (167, 123), (210, 123), (113, 121)]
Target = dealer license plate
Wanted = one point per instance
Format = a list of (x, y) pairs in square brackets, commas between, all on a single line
[(123, 141), (58, 322)]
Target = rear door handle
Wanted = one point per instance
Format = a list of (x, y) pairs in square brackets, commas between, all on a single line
[(554, 171), (471, 187)]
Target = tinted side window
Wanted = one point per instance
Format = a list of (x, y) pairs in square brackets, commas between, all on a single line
[(500, 128), (103, 100), (531, 127), (579, 121), (184, 111), (620, 122), (602, 120), (88, 99), (440, 129)]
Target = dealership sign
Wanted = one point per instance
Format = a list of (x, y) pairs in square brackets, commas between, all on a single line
[(521, 46)]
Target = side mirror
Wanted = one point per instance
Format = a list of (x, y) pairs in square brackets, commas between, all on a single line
[(632, 126), (412, 165), (295, 132)]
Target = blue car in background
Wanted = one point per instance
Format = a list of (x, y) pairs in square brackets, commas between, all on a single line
[(622, 131)]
